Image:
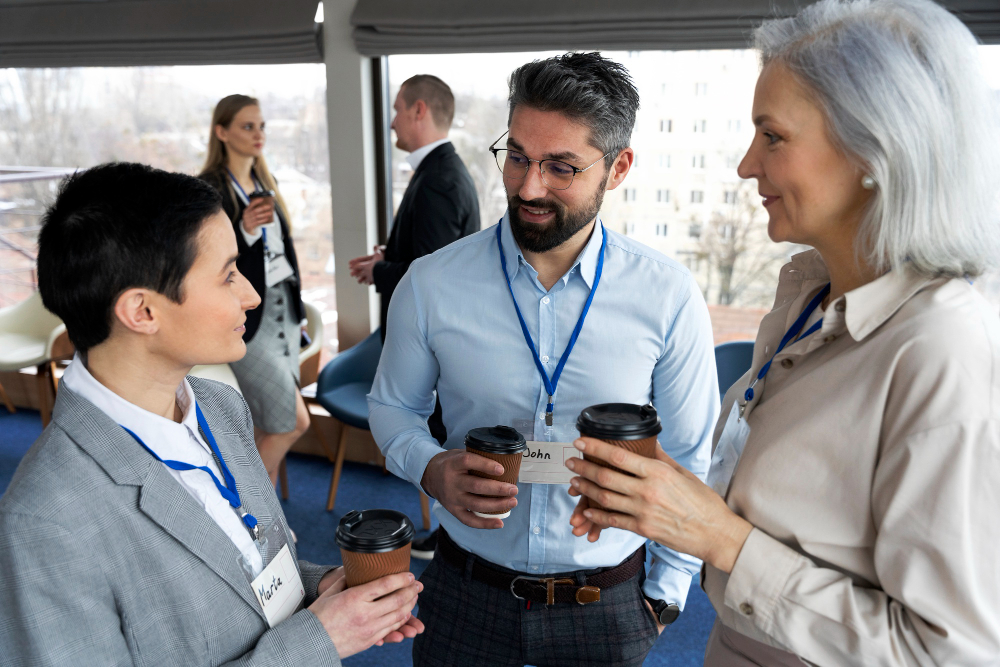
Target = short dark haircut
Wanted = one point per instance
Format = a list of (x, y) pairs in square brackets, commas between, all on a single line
[(112, 228), (588, 88), (435, 93)]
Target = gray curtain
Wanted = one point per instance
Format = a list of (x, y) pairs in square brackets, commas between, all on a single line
[(386, 27), (76, 33)]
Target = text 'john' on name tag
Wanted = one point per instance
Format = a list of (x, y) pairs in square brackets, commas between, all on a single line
[(545, 463)]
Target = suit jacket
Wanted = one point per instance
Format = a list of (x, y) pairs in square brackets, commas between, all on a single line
[(439, 206), (106, 560), (251, 260)]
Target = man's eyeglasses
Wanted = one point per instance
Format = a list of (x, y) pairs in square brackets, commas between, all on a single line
[(556, 174)]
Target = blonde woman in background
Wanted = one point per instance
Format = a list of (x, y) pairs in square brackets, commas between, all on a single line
[(269, 373), (850, 513)]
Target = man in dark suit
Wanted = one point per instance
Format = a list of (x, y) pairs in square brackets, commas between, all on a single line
[(440, 204)]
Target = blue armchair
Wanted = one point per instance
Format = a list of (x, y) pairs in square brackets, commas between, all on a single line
[(732, 360), (341, 388)]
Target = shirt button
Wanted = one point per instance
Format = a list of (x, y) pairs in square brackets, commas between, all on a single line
[(281, 334), (830, 339), (534, 568), (536, 530), (841, 306), (746, 609), (787, 363), (545, 299), (545, 358)]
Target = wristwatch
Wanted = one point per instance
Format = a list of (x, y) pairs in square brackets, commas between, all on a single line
[(667, 612)]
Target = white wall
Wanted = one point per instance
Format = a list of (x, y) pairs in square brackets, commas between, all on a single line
[(350, 119)]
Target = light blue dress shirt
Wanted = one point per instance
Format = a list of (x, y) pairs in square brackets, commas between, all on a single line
[(452, 325)]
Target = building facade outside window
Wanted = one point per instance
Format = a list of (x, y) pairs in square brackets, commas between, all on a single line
[(726, 245), (80, 117)]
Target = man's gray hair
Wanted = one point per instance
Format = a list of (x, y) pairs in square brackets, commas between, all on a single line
[(588, 88), (901, 86)]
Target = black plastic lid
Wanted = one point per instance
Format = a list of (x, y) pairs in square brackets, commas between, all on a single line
[(619, 421), (496, 440), (374, 531)]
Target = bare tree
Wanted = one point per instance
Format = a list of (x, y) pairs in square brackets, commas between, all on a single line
[(735, 243)]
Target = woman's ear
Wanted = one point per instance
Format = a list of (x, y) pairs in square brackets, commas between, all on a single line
[(220, 133), (134, 311)]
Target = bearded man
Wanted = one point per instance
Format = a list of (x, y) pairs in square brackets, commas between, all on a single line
[(524, 325)]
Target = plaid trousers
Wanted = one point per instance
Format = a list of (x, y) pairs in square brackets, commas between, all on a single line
[(475, 624)]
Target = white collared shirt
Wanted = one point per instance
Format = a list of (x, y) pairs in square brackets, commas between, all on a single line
[(417, 156), (171, 441)]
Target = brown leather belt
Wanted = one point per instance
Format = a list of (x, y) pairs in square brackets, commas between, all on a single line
[(557, 588)]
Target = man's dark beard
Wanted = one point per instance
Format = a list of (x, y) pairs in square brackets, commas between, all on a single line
[(542, 238)]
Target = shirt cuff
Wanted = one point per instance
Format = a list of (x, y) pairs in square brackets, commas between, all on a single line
[(759, 577), (418, 455), (248, 237), (665, 582)]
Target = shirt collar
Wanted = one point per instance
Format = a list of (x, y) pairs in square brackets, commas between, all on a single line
[(585, 264), (868, 307), (164, 436), (417, 156)]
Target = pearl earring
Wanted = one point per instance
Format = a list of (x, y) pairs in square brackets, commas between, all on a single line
[(868, 183)]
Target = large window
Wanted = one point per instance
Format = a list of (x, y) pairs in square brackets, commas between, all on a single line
[(695, 113), (76, 118)]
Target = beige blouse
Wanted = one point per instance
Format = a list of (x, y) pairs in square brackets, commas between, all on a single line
[(872, 476)]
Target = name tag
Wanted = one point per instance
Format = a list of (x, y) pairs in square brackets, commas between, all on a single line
[(279, 588), (545, 463), (278, 269)]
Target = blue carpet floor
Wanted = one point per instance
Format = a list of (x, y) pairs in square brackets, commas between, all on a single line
[(362, 486)]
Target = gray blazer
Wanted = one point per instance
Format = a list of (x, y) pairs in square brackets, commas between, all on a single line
[(106, 560)]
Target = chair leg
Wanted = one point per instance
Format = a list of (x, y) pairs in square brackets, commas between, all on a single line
[(6, 400), (283, 479), (45, 398), (338, 467), (425, 510), (54, 379)]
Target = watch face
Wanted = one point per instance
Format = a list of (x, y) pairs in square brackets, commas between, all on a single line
[(669, 614)]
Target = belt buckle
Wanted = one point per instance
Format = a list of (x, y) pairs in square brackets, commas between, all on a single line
[(550, 586)]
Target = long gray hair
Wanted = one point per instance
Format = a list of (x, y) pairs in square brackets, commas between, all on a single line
[(901, 86)]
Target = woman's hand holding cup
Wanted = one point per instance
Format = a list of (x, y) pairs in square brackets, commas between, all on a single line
[(662, 501), (259, 212)]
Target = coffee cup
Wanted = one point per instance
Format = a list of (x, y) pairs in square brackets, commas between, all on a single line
[(632, 427), (374, 544), (502, 444)]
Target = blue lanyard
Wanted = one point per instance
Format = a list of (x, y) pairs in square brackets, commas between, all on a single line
[(263, 231), (551, 384), (228, 490), (792, 333)]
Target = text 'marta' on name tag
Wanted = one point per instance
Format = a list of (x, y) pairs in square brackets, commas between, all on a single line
[(279, 588), (545, 463)]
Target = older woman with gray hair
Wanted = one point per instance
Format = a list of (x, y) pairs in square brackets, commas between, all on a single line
[(851, 513)]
